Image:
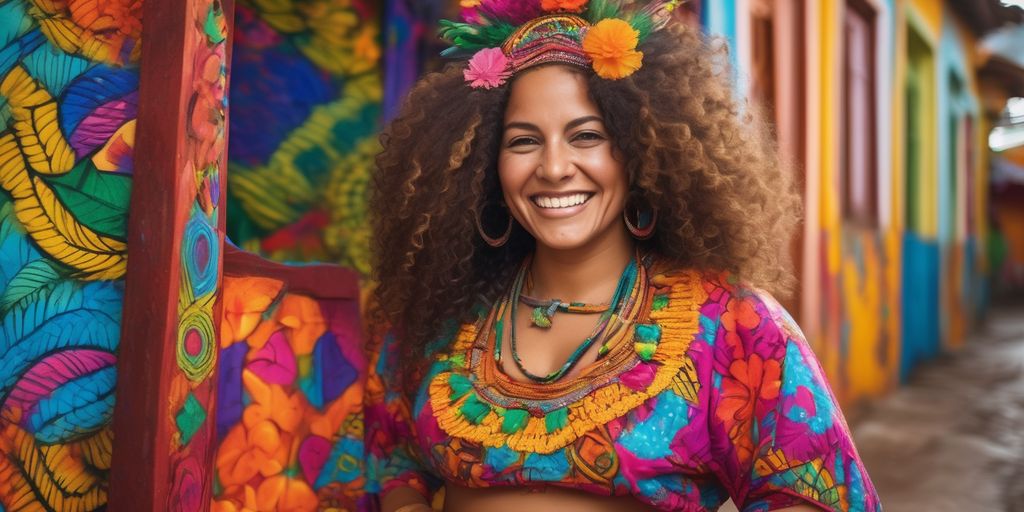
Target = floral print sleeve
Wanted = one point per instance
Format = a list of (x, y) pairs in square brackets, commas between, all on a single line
[(776, 430), (391, 457)]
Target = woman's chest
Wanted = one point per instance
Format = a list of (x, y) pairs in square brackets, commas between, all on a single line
[(644, 448)]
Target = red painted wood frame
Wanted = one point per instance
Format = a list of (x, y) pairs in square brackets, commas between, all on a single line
[(164, 198)]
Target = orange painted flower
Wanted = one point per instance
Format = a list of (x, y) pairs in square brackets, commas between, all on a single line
[(563, 5), (286, 494), (748, 381), (611, 44)]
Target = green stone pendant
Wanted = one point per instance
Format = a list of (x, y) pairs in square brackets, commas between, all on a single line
[(540, 318)]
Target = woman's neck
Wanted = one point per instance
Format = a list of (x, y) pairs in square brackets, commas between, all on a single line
[(585, 274)]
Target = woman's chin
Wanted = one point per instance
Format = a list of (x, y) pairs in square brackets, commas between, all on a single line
[(564, 241)]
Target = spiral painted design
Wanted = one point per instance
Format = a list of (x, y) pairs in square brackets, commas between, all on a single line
[(195, 352), (199, 255)]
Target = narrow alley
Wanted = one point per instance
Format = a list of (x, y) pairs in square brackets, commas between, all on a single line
[(953, 438)]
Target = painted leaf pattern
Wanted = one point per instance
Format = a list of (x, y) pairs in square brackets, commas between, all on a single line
[(68, 80)]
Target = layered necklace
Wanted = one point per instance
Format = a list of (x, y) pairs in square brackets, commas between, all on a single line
[(613, 317)]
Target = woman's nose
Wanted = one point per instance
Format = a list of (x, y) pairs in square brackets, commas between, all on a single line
[(556, 165)]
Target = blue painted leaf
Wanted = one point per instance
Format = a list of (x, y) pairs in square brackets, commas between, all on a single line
[(68, 315), (92, 89), (77, 408), (55, 69), (14, 21), (15, 50)]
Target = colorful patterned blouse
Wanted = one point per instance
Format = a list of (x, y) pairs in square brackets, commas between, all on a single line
[(715, 395)]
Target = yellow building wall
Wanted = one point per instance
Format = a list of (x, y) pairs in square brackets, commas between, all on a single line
[(859, 345)]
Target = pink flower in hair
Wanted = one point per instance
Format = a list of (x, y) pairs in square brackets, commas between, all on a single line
[(488, 69)]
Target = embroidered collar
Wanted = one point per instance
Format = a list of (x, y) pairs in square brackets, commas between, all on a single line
[(478, 404)]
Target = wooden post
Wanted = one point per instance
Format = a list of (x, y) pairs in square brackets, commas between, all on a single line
[(163, 418)]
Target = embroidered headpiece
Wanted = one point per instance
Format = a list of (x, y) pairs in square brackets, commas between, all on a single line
[(503, 37)]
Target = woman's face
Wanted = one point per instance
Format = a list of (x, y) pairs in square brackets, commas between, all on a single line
[(558, 173)]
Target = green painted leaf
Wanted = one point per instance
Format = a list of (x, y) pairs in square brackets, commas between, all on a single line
[(97, 199), (34, 276)]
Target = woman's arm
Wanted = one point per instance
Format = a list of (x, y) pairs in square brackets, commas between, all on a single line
[(404, 499), (783, 440)]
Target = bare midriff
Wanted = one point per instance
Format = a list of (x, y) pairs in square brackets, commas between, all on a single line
[(540, 499)]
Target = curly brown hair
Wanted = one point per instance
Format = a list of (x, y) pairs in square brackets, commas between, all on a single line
[(696, 153)]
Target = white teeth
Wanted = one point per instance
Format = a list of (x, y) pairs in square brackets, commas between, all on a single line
[(561, 202)]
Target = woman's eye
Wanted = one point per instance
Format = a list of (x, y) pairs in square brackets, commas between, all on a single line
[(589, 136), (521, 141)]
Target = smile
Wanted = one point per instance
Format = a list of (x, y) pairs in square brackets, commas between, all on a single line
[(565, 201)]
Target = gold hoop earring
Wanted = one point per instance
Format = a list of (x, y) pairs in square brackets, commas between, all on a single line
[(641, 232), (493, 242)]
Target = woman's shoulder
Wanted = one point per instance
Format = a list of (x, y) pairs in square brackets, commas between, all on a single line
[(722, 295)]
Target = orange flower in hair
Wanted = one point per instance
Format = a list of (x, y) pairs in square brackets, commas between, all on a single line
[(563, 5), (611, 44)]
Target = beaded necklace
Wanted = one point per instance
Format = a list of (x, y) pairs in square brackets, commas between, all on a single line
[(611, 316), (544, 310)]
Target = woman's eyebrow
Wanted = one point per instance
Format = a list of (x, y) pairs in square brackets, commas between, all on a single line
[(582, 120), (568, 126)]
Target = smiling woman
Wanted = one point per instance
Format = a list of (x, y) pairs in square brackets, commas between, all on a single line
[(573, 236)]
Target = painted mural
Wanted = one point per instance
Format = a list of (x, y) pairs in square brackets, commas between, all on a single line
[(306, 87), (68, 98), (893, 270), (290, 388)]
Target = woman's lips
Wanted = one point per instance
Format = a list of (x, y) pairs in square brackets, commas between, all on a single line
[(562, 205)]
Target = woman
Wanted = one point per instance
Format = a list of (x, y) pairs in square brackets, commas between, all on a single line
[(571, 233)]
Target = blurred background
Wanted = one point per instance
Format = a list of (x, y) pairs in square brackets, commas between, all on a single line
[(904, 120)]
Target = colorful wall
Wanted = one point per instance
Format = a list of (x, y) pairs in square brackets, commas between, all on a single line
[(311, 83), (884, 292), (69, 78), (290, 391)]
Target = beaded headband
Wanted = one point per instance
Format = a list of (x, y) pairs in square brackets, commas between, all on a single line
[(503, 37)]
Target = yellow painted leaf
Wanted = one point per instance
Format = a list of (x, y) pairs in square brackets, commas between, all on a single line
[(36, 124), (54, 229), (58, 475)]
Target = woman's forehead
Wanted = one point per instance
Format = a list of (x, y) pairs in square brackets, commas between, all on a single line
[(551, 93)]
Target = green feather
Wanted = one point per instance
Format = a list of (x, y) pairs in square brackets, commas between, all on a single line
[(556, 420), (474, 410), (514, 421), (460, 386), (467, 36), (643, 23), (598, 10)]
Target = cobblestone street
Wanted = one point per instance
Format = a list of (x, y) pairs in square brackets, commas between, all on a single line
[(952, 439)]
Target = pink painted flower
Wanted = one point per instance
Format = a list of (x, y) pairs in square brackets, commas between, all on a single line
[(488, 69)]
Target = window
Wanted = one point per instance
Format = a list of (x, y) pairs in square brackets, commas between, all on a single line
[(859, 183)]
